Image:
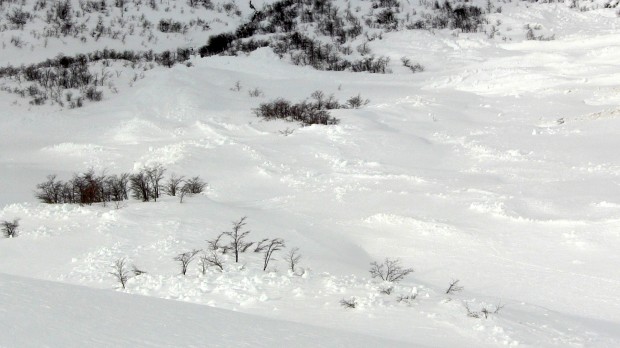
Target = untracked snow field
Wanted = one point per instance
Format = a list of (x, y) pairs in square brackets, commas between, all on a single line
[(497, 166)]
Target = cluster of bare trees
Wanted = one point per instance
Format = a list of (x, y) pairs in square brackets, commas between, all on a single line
[(84, 188), (234, 242), (146, 185), (314, 111), (465, 17), (282, 18), (238, 244), (50, 79)]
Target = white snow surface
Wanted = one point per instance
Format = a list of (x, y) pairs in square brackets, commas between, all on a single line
[(64, 314), (497, 166)]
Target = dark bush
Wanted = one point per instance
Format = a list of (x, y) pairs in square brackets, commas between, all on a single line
[(303, 112), (171, 26), (217, 44), (18, 18), (93, 94)]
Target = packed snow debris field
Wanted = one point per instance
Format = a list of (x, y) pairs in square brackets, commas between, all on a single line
[(470, 146)]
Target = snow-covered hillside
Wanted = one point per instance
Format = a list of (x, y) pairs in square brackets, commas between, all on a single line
[(62, 315), (496, 166)]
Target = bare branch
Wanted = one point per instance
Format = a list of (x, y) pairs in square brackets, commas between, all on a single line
[(275, 245), (260, 246), (212, 259), (454, 287)]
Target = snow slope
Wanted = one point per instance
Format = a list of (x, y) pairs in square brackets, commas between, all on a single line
[(496, 166), (63, 315)]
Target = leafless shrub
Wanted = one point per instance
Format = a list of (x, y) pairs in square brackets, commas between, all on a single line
[(17, 41), (273, 246), (386, 289), (414, 67), (470, 313), (307, 113), (286, 132), (364, 49), (237, 236), (211, 260), (406, 298), (93, 94), (18, 17), (185, 259), (120, 272), (136, 271), (484, 311), (10, 228), (292, 259), (498, 307), (389, 270), (357, 102), (350, 303), (237, 87), (255, 93), (321, 102), (454, 287)]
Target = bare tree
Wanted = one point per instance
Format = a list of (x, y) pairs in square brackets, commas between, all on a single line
[(10, 228), (155, 174), (120, 272), (454, 287), (389, 270), (140, 186), (185, 259), (211, 259), (273, 246), (173, 185), (194, 185), (50, 191), (292, 258), (237, 236)]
